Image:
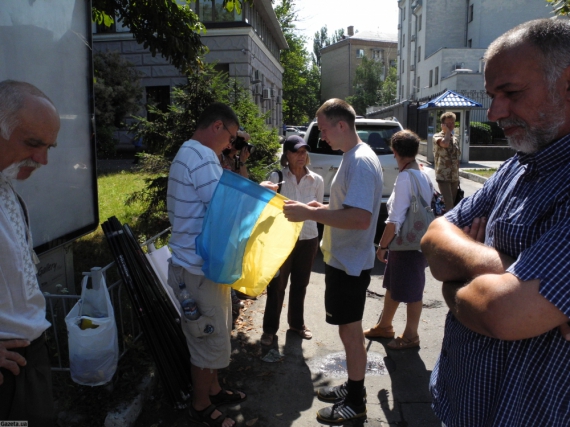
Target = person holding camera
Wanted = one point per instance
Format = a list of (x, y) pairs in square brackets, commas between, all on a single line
[(296, 182), (447, 156), (234, 157)]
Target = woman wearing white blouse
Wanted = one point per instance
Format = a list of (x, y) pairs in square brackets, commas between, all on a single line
[(404, 276), (298, 183)]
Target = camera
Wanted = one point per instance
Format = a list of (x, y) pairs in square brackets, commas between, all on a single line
[(241, 142)]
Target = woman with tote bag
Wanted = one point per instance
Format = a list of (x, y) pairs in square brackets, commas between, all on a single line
[(404, 276)]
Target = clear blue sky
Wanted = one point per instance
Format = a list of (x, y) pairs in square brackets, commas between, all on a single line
[(364, 15)]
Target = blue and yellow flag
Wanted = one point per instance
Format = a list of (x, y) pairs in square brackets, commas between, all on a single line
[(245, 236)]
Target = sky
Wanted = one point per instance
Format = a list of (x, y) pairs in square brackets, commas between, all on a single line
[(364, 15)]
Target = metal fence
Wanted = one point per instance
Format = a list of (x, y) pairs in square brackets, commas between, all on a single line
[(58, 306)]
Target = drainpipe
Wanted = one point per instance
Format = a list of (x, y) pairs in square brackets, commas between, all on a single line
[(349, 65)]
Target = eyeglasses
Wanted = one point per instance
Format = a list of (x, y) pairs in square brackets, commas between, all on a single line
[(232, 138)]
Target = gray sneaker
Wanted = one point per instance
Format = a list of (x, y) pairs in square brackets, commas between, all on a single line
[(332, 394)]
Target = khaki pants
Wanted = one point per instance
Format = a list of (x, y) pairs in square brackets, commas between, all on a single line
[(448, 190)]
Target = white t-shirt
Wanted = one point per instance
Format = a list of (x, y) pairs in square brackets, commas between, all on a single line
[(22, 304), (194, 175), (357, 184)]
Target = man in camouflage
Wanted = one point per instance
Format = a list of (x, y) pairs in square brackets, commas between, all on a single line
[(446, 159)]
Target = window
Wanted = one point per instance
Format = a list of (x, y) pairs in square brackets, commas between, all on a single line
[(403, 13), (418, 85), (420, 23), (430, 78), (403, 65), (436, 75), (376, 54), (419, 53), (403, 40), (158, 96), (359, 53), (470, 13), (469, 43), (214, 11)]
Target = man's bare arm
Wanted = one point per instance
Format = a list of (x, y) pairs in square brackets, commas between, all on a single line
[(503, 307), (453, 256), (348, 218)]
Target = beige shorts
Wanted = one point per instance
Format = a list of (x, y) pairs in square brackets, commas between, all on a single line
[(208, 349)]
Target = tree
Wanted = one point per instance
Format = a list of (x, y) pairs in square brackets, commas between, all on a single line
[(367, 84), (561, 7), (117, 93), (388, 92), (301, 81), (169, 129), (162, 26), (322, 40)]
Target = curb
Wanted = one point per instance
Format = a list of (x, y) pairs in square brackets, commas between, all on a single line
[(473, 177), (126, 415)]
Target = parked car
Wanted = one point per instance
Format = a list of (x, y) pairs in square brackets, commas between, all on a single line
[(374, 132), (291, 130)]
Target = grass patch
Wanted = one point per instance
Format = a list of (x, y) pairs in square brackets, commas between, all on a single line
[(92, 250), (482, 172)]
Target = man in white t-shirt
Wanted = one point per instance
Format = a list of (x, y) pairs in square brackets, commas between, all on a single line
[(29, 124), (194, 175), (348, 249)]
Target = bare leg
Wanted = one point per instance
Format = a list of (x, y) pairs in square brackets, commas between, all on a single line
[(203, 381), (352, 338), (413, 314)]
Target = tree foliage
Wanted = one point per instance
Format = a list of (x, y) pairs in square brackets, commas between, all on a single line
[(388, 91), (117, 93), (560, 7), (167, 132), (322, 40), (301, 78), (366, 84)]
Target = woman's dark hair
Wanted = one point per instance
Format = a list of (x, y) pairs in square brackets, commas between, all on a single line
[(406, 143)]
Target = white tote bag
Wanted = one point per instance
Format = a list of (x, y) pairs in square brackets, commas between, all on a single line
[(92, 335)]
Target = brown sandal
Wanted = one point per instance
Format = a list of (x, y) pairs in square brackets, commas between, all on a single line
[(379, 332), (402, 343)]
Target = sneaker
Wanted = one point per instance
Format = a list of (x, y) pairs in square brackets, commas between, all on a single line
[(332, 394), (340, 412)]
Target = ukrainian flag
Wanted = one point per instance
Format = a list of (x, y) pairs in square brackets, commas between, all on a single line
[(245, 236)]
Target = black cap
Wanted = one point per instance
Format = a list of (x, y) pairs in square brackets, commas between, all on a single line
[(294, 142)]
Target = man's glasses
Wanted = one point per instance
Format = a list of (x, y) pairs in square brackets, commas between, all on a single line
[(232, 138)]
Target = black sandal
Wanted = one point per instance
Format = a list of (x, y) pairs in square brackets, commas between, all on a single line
[(204, 417), (225, 398)]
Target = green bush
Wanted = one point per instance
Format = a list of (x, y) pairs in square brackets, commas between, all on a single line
[(480, 133), (496, 130)]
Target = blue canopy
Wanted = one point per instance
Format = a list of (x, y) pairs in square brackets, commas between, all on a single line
[(450, 99)]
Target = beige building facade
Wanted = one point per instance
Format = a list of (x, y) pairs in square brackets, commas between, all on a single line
[(340, 60)]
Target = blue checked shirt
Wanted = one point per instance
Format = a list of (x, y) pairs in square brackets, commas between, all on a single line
[(482, 381)]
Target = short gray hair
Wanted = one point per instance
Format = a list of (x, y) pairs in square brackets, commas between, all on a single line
[(12, 96), (551, 37)]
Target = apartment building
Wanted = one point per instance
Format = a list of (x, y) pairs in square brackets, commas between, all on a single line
[(340, 60), (246, 45), (441, 42)]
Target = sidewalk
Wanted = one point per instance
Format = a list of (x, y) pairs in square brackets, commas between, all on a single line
[(463, 167)]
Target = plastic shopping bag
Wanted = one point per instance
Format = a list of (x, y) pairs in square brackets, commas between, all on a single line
[(92, 334)]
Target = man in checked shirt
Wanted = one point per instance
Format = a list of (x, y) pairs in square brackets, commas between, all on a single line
[(503, 254)]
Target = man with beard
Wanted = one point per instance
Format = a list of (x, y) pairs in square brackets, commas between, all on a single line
[(502, 254), (29, 124)]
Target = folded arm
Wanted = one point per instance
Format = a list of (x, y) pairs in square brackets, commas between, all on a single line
[(479, 292)]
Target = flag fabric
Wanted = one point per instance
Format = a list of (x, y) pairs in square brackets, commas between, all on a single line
[(245, 237)]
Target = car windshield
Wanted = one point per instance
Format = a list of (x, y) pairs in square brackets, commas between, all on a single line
[(377, 136)]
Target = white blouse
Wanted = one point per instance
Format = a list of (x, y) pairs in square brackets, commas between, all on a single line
[(401, 196), (310, 188)]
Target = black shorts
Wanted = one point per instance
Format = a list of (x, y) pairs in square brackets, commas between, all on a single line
[(345, 295)]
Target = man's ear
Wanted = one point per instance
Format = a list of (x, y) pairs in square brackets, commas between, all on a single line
[(566, 76)]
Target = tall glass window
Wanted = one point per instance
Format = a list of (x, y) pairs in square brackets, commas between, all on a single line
[(214, 11)]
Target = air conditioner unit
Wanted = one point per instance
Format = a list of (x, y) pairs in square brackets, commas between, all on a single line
[(266, 93), (257, 76)]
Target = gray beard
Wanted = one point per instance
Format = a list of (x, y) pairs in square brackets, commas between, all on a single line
[(11, 172)]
